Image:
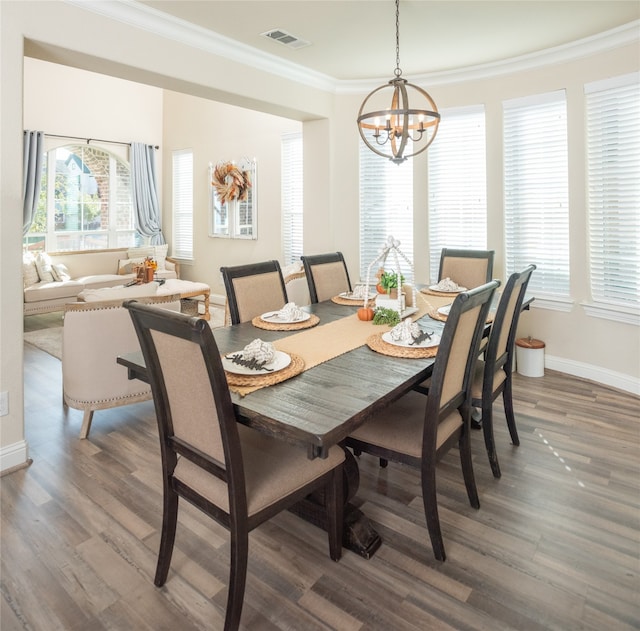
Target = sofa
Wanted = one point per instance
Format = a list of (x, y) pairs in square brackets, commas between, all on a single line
[(51, 280), (94, 334)]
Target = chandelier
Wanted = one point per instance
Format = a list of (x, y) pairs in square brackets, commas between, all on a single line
[(400, 131)]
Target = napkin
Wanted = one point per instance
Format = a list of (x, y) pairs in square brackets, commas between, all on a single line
[(290, 312), (262, 352), (446, 284), (405, 332), (360, 291)]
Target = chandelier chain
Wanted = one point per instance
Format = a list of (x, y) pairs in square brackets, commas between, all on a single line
[(397, 71)]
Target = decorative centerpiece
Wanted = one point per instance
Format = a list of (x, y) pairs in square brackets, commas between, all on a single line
[(390, 282), (146, 270)]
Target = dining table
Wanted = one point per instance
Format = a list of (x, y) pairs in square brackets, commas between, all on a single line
[(346, 378)]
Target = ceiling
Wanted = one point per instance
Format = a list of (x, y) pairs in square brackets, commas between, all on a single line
[(355, 40)]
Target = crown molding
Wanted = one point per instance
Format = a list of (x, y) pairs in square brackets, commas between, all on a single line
[(146, 18)]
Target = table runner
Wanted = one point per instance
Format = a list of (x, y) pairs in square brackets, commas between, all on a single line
[(326, 341)]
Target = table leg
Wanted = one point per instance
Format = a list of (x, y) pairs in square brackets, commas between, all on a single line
[(359, 536)]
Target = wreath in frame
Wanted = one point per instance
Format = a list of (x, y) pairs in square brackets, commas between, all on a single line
[(231, 182)]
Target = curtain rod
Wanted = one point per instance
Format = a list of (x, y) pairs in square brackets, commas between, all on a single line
[(88, 140)]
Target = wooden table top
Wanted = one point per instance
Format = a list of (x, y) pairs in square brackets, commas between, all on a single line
[(321, 406)]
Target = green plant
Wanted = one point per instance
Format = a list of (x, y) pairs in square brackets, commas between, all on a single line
[(383, 315), (389, 280)]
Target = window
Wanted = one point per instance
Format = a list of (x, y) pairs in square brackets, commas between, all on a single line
[(235, 218), (536, 194), (183, 204), (386, 206), (457, 184), (85, 202), (292, 204), (613, 171)]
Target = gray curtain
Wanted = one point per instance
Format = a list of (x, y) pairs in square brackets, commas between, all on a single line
[(144, 191), (32, 153)]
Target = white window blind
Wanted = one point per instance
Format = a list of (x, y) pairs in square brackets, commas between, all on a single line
[(613, 168), (292, 199), (182, 247), (457, 184), (386, 206), (536, 191)]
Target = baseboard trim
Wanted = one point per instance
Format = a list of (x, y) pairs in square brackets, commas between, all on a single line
[(594, 373), (14, 457)]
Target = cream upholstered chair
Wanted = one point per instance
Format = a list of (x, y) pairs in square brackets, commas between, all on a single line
[(416, 430), (493, 373), (295, 282), (93, 335), (327, 275), (253, 289), (468, 268), (236, 475)]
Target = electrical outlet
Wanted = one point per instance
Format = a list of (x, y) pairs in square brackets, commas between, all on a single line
[(4, 403)]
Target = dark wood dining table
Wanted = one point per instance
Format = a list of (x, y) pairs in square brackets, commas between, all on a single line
[(321, 406)]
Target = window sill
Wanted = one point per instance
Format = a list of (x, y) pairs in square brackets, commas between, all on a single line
[(553, 304), (616, 313)]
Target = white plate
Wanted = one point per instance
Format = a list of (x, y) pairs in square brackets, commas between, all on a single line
[(442, 291), (270, 316), (444, 310), (349, 296), (280, 361), (434, 340)]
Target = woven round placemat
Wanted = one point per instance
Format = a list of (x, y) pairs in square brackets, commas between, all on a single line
[(377, 344), (444, 294), (433, 313), (349, 303), (268, 379), (259, 323)]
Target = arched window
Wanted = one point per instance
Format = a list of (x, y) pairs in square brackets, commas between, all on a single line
[(85, 202)]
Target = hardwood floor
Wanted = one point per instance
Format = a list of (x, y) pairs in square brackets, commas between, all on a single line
[(555, 544)]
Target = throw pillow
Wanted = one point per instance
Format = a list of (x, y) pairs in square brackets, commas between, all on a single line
[(60, 272), (43, 264), (29, 270), (127, 266)]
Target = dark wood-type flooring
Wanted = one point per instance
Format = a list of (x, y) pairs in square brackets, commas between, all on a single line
[(555, 544)]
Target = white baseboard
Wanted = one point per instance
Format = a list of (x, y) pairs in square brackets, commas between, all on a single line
[(13, 456), (218, 300), (594, 373)]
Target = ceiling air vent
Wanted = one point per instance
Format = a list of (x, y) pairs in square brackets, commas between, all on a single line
[(278, 35)]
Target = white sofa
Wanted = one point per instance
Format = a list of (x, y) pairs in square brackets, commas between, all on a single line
[(94, 334), (55, 279)]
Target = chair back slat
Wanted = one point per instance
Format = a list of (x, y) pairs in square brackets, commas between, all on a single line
[(451, 377), (503, 331), (468, 268), (327, 275), (192, 401), (253, 289), (189, 396)]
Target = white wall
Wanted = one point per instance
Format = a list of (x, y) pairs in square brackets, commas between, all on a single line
[(63, 33)]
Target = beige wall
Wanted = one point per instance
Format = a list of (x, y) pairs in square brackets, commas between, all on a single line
[(216, 132), (58, 32)]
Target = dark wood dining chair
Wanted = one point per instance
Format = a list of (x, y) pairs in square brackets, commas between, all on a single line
[(468, 268), (236, 475), (416, 430), (253, 289), (327, 275), (493, 371)]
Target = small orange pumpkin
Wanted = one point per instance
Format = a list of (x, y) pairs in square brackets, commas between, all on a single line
[(365, 313)]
